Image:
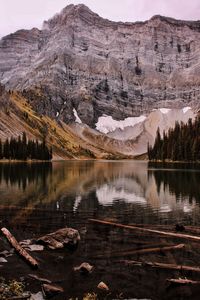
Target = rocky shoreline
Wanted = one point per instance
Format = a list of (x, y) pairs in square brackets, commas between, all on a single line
[(105, 260)]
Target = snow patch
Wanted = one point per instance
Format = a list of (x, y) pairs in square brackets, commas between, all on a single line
[(57, 114), (77, 202), (77, 119), (165, 110), (185, 109), (107, 124), (108, 195), (187, 209), (165, 208)]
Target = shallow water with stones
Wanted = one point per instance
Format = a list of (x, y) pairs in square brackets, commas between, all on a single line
[(42, 197)]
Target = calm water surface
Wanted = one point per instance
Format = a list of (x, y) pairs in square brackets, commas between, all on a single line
[(40, 198), (48, 196)]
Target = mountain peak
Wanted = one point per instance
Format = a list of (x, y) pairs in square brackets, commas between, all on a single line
[(176, 22), (66, 12), (75, 8)]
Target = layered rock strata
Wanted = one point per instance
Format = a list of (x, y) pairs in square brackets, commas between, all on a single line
[(80, 60)]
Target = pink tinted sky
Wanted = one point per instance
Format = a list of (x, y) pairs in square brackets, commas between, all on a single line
[(17, 14)]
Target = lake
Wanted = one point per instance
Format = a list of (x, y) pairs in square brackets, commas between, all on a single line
[(126, 191), (39, 198)]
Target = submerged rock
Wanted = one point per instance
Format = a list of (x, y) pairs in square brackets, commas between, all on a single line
[(84, 268), (103, 286), (3, 260), (180, 227), (41, 279), (25, 243), (5, 253), (50, 291), (30, 246), (35, 247), (50, 242), (60, 238), (37, 296)]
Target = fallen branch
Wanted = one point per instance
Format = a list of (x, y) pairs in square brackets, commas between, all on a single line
[(40, 279), (19, 249), (158, 265), (137, 247), (181, 281), (144, 251), (169, 234), (20, 297)]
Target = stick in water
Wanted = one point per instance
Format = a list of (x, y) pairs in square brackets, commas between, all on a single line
[(181, 281), (144, 251), (165, 233), (160, 265), (19, 249)]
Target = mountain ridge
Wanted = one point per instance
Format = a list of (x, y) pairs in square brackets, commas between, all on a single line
[(83, 8), (84, 63)]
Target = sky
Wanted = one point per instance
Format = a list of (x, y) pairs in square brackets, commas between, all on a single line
[(26, 14)]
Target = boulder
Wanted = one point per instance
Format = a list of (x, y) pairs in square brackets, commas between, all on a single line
[(37, 296), (84, 268), (50, 290), (60, 238), (30, 246), (37, 248), (180, 227), (41, 279), (3, 260), (5, 253), (103, 286)]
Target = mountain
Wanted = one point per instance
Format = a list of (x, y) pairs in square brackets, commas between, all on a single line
[(81, 65), (17, 116)]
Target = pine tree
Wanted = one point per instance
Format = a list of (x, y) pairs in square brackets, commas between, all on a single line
[(1, 149), (23, 149), (24, 146), (180, 144)]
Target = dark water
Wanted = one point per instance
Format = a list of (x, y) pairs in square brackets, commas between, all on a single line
[(125, 191), (40, 198)]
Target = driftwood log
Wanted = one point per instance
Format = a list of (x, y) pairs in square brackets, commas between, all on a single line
[(181, 281), (50, 290), (144, 251), (22, 252), (158, 265), (22, 297), (60, 238), (140, 229), (40, 279)]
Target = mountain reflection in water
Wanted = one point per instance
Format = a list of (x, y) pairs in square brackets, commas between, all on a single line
[(125, 191)]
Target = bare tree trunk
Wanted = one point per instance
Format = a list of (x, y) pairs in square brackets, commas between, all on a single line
[(183, 282), (158, 265), (169, 234), (143, 251), (19, 249)]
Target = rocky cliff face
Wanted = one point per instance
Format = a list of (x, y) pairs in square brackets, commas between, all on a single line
[(79, 60)]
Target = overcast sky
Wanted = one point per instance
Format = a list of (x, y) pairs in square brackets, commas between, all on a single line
[(18, 14)]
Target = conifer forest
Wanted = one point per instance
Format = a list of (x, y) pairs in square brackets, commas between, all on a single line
[(23, 149), (179, 144)]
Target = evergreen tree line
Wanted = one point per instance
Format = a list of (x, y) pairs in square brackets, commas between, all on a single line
[(22, 149), (182, 184), (180, 144)]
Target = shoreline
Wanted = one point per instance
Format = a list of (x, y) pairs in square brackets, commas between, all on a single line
[(24, 161), (29, 161), (173, 162)]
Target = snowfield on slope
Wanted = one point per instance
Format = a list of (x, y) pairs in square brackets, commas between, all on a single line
[(186, 109), (107, 124), (77, 119)]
